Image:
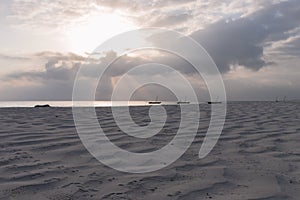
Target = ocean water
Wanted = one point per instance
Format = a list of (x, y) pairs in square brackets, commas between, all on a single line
[(5, 104), (256, 157)]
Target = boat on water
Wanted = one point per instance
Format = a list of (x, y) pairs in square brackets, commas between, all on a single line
[(283, 99), (156, 102), (214, 102), (183, 102), (42, 106)]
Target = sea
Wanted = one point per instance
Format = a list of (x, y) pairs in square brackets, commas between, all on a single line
[(13, 104)]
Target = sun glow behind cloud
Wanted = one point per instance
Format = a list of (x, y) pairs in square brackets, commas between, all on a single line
[(85, 37)]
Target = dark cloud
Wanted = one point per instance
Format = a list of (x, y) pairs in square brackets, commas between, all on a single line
[(59, 67), (59, 72), (242, 41), (122, 64), (239, 41), (53, 82)]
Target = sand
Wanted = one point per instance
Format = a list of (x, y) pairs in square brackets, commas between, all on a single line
[(257, 157)]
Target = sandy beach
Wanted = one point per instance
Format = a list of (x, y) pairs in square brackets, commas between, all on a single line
[(257, 157)]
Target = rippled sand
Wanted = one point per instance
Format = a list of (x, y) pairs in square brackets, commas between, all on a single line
[(257, 157)]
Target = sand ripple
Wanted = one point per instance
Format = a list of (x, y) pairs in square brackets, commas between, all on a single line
[(257, 157)]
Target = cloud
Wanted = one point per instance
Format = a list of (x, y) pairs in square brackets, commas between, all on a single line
[(60, 68), (292, 47), (52, 14), (59, 72), (235, 33), (282, 80), (170, 19), (53, 81), (140, 5), (60, 56), (287, 48), (10, 57), (56, 14), (242, 41)]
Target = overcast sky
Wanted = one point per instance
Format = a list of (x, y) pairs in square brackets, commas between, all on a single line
[(255, 45)]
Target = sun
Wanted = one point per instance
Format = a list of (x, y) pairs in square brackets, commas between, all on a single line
[(87, 36)]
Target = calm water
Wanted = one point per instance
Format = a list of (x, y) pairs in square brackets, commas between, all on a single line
[(4, 104)]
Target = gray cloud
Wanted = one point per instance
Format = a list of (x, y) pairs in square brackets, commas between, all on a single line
[(59, 72), (286, 49), (242, 41), (293, 47), (58, 67), (53, 81), (239, 33)]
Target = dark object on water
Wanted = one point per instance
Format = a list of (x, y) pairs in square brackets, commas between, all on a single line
[(283, 99), (183, 102), (214, 102), (42, 106), (154, 102)]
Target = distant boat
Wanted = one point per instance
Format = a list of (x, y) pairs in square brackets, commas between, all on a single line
[(183, 102), (42, 106), (283, 99), (214, 102), (156, 102)]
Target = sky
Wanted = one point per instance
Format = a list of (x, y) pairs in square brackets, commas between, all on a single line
[(255, 45)]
